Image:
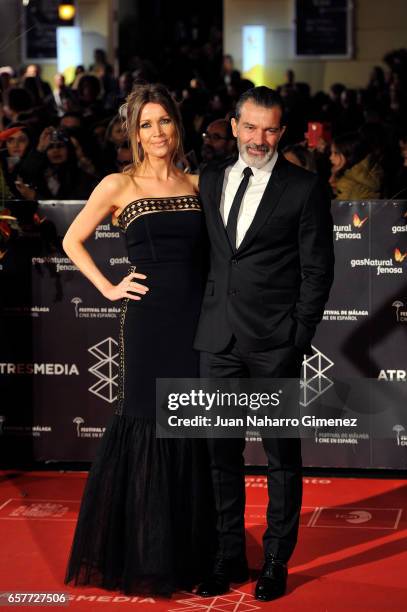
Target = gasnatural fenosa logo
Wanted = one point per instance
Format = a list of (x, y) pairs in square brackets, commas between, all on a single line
[(347, 232), (357, 221), (399, 256)]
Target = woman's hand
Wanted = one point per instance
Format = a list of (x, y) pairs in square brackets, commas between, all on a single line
[(126, 288), (44, 139), (26, 191)]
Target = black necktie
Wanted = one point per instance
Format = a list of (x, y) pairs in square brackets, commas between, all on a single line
[(231, 225)]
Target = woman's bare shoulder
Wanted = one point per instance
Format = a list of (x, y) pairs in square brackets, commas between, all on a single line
[(116, 180), (114, 184)]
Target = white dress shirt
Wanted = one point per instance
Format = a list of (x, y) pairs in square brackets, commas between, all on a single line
[(252, 196)]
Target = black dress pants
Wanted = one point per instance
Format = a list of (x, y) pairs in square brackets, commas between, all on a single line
[(284, 470)]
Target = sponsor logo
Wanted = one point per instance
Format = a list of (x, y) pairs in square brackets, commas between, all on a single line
[(119, 261), (25, 311), (34, 431), (94, 312), (106, 369), (236, 601), (347, 232), (345, 315), (42, 369), (314, 381), (393, 375), (38, 509), (87, 432), (399, 229), (260, 482), (76, 301), (357, 221), (355, 517), (34, 509), (383, 266), (114, 599), (104, 231), (400, 310), (329, 437), (399, 256), (62, 264), (401, 438)]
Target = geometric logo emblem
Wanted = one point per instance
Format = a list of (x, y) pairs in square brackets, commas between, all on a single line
[(234, 601), (106, 369), (314, 381)]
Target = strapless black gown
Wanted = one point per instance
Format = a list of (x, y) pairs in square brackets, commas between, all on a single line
[(145, 524)]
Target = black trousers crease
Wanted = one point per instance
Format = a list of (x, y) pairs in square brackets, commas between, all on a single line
[(284, 462)]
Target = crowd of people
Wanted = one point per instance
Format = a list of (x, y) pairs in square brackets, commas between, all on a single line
[(57, 143)]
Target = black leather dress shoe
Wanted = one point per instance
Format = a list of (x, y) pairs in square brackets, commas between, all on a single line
[(224, 572), (273, 580)]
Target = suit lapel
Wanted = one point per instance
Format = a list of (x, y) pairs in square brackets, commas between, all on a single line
[(219, 186), (271, 196), (215, 209)]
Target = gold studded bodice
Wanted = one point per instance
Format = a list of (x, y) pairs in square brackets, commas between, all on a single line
[(148, 206), (163, 238)]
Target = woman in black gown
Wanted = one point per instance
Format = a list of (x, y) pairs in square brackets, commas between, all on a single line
[(145, 520)]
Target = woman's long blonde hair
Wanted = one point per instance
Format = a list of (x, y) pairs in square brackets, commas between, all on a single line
[(130, 113)]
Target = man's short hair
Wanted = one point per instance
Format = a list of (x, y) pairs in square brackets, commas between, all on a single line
[(262, 96)]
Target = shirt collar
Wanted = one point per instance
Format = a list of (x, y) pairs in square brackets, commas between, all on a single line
[(258, 173)]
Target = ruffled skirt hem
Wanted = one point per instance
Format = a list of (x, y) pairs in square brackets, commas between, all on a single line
[(146, 523)]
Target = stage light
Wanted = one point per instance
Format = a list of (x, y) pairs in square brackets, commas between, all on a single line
[(254, 53), (66, 10)]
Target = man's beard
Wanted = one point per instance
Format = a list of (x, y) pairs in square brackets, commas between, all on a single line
[(253, 160)]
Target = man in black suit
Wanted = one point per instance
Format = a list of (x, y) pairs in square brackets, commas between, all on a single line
[(271, 270)]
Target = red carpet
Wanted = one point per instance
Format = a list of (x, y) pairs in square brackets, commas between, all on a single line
[(351, 555)]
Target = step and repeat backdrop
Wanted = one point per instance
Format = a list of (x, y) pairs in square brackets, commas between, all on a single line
[(59, 356)]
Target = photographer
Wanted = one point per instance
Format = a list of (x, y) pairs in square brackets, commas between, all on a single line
[(53, 168)]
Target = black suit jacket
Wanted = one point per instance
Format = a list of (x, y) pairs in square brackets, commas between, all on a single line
[(273, 289)]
